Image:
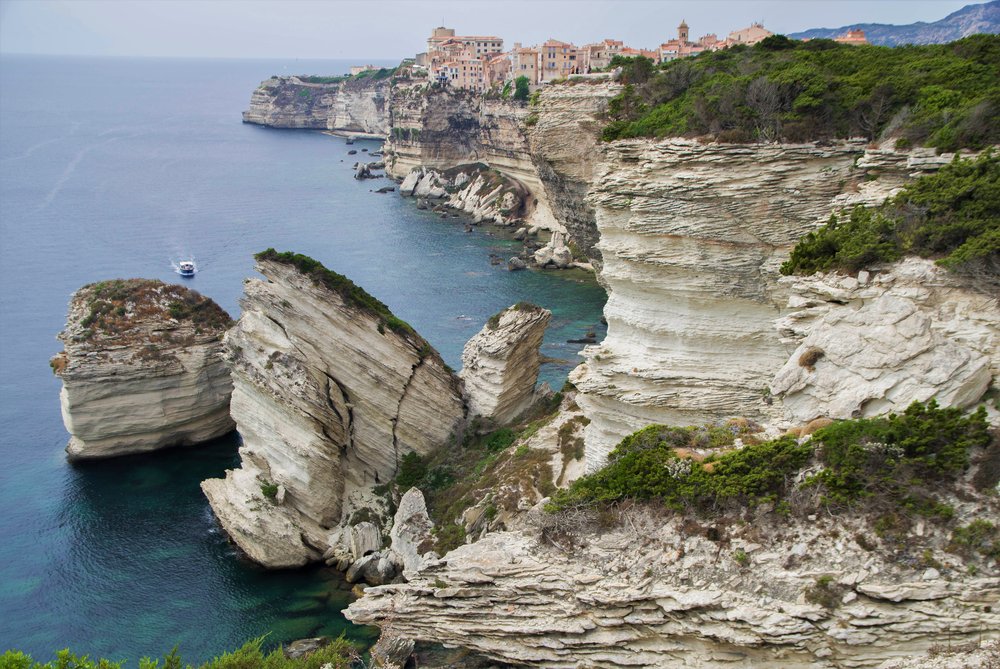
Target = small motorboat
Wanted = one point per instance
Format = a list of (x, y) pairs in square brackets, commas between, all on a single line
[(186, 268)]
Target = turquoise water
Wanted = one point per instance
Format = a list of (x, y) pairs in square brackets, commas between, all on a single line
[(113, 168)]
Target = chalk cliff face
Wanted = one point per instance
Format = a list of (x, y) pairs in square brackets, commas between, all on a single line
[(357, 106), (692, 236), (500, 364), (330, 391), (654, 594), (141, 369), (911, 332), (565, 151)]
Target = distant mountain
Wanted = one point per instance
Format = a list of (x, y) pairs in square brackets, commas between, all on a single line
[(969, 20)]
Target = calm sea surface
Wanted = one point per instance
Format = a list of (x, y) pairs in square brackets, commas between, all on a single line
[(113, 168)]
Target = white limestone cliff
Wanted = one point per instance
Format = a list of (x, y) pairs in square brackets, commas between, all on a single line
[(692, 237), (865, 347), (141, 369), (353, 106), (500, 364), (656, 592), (330, 391)]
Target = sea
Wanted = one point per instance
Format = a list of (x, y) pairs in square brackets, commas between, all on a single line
[(120, 168)]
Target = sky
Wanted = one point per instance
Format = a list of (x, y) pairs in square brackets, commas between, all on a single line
[(378, 29)]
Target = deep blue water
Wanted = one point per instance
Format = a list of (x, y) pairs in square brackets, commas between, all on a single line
[(113, 168)]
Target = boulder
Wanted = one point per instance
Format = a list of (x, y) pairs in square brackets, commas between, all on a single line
[(411, 535), (391, 652), (365, 539), (515, 264)]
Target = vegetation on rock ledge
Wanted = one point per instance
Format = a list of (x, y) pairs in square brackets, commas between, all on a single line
[(351, 293), (946, 96), (951, 215), (893, 466)]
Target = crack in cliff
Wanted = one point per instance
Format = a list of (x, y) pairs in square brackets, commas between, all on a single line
[(348, 406), (399, 407)]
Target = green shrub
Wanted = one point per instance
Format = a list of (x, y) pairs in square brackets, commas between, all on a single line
[(412, 470), (892, 457), (269, 490), (645, 466), (950, 215), (338, 654), (978, 537), (500, 439), (448, 537), (824, 593), (943, 95)]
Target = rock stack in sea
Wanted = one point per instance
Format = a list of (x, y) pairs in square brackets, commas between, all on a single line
[(330, 392), (500, 364), (142, 369)]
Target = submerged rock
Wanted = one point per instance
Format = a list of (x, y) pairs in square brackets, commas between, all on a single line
[(330, 391), (141, 369), (500, 364)]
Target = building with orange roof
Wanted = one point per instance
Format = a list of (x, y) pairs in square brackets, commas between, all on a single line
[(856, 36), (557, 60)]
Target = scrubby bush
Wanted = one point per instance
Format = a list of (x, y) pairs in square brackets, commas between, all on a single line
[(412, 470), (978, 537), (521, 89), (950, 215), (338, 654), (893, 458), (646, 466)]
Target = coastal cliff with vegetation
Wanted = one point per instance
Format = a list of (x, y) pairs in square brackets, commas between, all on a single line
[(141, 369), (799, 242)]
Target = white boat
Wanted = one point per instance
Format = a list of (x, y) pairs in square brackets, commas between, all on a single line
[(186, 268)]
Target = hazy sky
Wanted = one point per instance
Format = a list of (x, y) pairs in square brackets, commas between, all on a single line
[(381, 29)]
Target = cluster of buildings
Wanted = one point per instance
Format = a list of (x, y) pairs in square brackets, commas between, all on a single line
[(479, 62)]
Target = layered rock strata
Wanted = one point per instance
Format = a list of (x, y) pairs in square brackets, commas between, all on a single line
[(692, 236), (330, 391), (141, 369), (442, 129), (653, 594), (874, 343), (500, 364), (357, 106)]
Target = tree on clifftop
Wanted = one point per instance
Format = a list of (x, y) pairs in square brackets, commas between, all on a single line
[(521, 89)]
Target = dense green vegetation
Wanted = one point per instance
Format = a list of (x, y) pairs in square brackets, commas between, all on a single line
[(340, 284), (521, 90), (891, 459), (953, 215), (338, 655), (946, 96), (313, 79), (894, 462)]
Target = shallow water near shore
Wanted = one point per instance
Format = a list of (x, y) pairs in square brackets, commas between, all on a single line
[(114, 168)]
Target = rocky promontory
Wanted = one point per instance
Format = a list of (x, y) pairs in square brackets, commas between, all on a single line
[(330, 392), (352, 105), (142, 369)]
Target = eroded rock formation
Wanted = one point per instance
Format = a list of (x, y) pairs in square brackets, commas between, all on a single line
[(484, 193), (141, 369), (330, 391), (657, 592), (500, 364), (872, 344)]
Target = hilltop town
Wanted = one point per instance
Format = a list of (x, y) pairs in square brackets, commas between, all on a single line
[(480, 63)]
